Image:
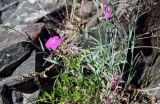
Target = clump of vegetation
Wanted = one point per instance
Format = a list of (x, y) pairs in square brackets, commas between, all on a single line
[(94, 74)]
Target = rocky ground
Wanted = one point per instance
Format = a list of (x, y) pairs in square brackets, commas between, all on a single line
[(25, 20)]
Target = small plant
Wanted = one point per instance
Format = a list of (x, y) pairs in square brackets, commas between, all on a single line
[(92, 75)]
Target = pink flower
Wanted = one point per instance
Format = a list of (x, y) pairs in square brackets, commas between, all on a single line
[(116, 81), (53, 42), (107, 12)]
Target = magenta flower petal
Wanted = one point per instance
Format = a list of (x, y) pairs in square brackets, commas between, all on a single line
[(53, 42), (107, 12)]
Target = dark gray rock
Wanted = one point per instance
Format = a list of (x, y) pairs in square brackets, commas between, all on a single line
[(6, 95), (25, 12), (21, 86), (17, 58), (149, 24), (27, 67), (16, 61), (23, 98), (153, 91), (14, 48), (20, 78), (12, 57), (148, 67), (87, 9), (9, 96), (17, 97), (10, 36)]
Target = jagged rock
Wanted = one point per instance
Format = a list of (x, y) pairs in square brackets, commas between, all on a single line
[(14, 48), (25, 12), (27, 67), (17, 97), (21, 74), (9, 96), (6, 95), (10, 36), (87, 10), (12, 57), (20, 86), (148, 25), (23, 98), (147, 68), (153, 91)]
